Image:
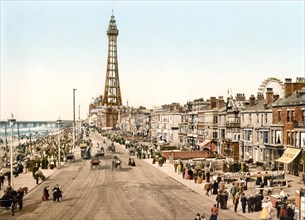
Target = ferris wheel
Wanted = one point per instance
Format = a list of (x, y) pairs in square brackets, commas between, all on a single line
[(276, 84)]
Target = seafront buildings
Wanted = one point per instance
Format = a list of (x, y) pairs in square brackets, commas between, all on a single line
[(259, 128)]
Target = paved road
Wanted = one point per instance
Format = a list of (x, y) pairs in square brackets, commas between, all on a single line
[(141, 192)]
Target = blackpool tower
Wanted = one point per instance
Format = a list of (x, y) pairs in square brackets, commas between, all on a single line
[(112, 92)]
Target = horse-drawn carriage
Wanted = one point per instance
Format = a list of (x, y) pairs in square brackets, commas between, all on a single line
[(85, 150), (132, 151), (100, 153), (116, 163), (11, 200), (17, 169), (70, 157), (111, 148), (39, 174), (95, 163)]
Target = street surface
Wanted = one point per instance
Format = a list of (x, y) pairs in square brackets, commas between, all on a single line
[(141, 192)]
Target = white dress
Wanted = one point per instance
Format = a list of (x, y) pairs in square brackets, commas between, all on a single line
[(264, 211)]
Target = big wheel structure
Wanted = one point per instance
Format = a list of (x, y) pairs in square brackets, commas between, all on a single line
[(276, 84)]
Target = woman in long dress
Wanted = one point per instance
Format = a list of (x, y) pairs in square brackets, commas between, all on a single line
[(264, 212)]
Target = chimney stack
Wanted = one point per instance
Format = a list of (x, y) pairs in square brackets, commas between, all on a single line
[(252, 100), (213, 102), (240, 97), (221, 102), (260, 96), (291, 87), (269, 96)]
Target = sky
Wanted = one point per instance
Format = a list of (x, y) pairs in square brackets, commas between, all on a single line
[(168, 51)]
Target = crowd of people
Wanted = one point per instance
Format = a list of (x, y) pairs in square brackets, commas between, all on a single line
[(257, 199)]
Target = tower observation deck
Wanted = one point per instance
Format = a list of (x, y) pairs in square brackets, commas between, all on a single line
[(112, 92)]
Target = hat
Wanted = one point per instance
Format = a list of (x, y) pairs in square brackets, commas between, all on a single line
[(265, 200)]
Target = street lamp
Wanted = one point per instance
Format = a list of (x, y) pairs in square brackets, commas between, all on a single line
[(11, 122), (79, 123), (58, 124), (73, 118)]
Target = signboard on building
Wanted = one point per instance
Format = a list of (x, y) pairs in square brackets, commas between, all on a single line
[(235, 148)]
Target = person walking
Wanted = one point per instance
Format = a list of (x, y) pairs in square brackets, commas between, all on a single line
[(233, 190), (236, 202), (207, 188), (197, 217), (264, 211), (243, 201), (218, 200), (175, 166), (45, 193), (1, 180), (278, 205), (215, 188), (214, 213)]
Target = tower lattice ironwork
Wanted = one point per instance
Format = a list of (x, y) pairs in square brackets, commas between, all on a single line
[(112, 92)]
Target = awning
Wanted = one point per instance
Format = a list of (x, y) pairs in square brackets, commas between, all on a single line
[(205, 143), (289, 155)]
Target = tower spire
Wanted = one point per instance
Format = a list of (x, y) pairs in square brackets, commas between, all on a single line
[(112, 92)]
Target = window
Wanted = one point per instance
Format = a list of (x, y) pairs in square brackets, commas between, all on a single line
[(215, 121), (279, 116), (266, 137), (302, 140), (292, 116), (292, 138), (266, 118), (234, 137), (303, 115), (288, 116), (250, 120), (248, 135), (278, 137), (222, 133), (288, 137), (257, 136), (257, 118)]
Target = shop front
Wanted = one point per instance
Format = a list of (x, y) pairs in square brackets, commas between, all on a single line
[(291, 159)]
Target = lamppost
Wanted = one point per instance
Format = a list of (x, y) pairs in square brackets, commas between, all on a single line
[(79, 123), (73, 118), (58, 124), (11, 122)]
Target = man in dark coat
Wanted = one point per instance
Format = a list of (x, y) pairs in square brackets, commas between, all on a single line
[(243, 201)]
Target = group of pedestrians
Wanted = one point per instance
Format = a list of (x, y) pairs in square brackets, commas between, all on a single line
[(213, 216), (249, 203), (57, 193)]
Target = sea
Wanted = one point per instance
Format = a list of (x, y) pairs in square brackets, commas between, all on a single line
[(28, 129)]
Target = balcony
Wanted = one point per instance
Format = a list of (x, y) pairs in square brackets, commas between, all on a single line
[(299, 124), (233, 124)]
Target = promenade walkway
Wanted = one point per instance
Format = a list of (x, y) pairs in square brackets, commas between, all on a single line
[(295, 183), (27, 180)]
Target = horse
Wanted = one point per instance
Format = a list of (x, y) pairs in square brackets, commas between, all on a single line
[(116, 164), (111, 149), (23, 190), (12, 199)]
